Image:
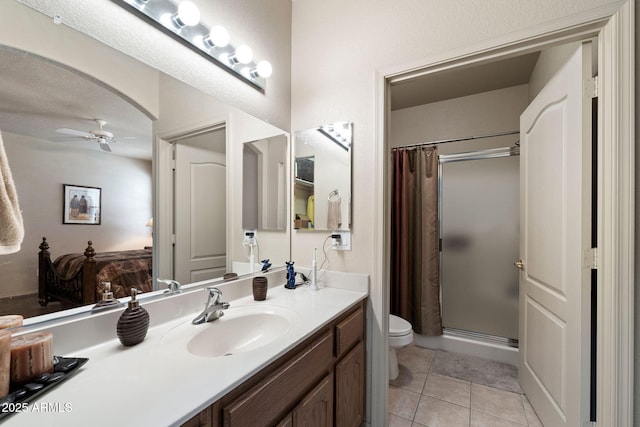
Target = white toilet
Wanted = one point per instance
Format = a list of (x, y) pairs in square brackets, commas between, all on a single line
[(400, 335)]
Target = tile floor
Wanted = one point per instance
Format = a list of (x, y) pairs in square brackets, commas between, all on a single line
[(440, 389)]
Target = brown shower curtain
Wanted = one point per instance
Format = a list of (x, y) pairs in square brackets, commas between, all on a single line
[(415, 276)]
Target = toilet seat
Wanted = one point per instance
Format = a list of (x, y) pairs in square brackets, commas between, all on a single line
[(398, 327)]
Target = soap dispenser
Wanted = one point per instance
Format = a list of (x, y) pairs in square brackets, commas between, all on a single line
[(133, 323), (108, 299)]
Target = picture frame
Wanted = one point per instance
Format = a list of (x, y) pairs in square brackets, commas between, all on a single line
[(82, 205)]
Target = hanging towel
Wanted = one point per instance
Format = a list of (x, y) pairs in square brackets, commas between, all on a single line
[(11, 226), (310, 207), (333, 214)]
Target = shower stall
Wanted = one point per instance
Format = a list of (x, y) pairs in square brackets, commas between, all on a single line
[(479, 238)]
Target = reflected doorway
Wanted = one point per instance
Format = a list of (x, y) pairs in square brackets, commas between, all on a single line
[(199, 239)]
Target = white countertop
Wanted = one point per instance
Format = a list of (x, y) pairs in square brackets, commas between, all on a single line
[(158, 384)]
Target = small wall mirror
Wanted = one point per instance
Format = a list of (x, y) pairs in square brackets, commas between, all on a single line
[(322, 174), (264, 184)]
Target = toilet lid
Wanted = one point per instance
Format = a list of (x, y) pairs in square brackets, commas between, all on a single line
[(398, 326)]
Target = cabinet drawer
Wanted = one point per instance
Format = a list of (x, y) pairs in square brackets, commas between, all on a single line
[(269, 400), (349, 332)]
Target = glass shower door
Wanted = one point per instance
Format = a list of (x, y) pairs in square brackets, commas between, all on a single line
[(479, 227)]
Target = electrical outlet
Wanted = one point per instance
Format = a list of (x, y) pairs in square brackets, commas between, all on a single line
[(249, 238), (343, 243)]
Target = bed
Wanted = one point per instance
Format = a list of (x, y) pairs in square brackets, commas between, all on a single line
[(79, 278)]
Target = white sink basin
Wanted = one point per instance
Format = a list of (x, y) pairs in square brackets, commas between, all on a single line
[(241, 329)]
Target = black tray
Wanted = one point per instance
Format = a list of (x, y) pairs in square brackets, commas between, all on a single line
[(19, 396)]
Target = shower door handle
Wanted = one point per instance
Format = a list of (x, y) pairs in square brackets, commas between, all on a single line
[(519, 264)]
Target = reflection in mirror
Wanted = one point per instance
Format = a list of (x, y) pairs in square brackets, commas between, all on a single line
[(200, 174), (322, 173), (68, 91), (47, 120), (264, 184)]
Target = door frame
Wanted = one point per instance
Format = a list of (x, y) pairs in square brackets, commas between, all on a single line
[(163, 165), (613, 25)]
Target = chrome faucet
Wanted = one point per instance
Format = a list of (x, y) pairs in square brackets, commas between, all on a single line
[(212, 308), (173, 286)]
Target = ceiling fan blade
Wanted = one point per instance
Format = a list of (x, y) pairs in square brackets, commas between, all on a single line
[(74, 132), (104, 145)]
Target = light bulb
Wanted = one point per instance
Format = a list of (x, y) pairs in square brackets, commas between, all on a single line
[(188, 15), (217, 37), (264, 69), (243, 55)]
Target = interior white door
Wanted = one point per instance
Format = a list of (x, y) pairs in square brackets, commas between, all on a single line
[(555, 214), (200, 213)]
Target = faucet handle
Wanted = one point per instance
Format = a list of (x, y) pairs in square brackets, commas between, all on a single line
[(173, 286), (215, 294)]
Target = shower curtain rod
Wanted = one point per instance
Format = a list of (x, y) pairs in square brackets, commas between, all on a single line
[(467, 138)]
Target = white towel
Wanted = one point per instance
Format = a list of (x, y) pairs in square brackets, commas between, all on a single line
[(333, 214), (11, 226)]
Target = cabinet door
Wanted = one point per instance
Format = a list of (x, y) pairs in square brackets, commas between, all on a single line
[(203, 419), (286, 422), (350, 388), (316, 409)]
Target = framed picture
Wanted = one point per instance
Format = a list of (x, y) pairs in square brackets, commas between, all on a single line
[(81, 205)]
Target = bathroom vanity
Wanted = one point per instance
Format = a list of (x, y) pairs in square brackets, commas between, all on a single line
[(309, 370), (320, 378)]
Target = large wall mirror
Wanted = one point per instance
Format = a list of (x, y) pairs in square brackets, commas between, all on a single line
[(48, 112), (322, 177)]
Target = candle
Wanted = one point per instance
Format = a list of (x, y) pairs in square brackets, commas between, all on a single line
[(31, 355), (10, 321), (5, 361)]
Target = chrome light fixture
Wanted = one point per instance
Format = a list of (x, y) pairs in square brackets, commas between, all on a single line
[(180, 19)]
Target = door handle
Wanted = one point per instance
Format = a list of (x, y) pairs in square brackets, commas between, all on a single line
[(519, 264)]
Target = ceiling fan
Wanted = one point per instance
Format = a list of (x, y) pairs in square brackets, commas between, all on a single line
[(100, 135)]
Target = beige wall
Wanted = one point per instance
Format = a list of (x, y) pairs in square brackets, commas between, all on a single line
[(39, 169), (338, 47), (480, 114)]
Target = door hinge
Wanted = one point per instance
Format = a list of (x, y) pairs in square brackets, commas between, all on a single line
[(173, 239), (591, 258), (591, 87)]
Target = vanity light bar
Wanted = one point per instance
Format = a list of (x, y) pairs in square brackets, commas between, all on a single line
[(340, 133), (181, 21)]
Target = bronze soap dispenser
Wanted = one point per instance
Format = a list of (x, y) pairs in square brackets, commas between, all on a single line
[(133, 323)]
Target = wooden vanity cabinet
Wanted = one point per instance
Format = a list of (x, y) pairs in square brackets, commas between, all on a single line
[(203, 419), (320, 383), (316, 409)]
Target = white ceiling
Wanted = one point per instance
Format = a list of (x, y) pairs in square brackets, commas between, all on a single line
[(463, 82), (37, 97)]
